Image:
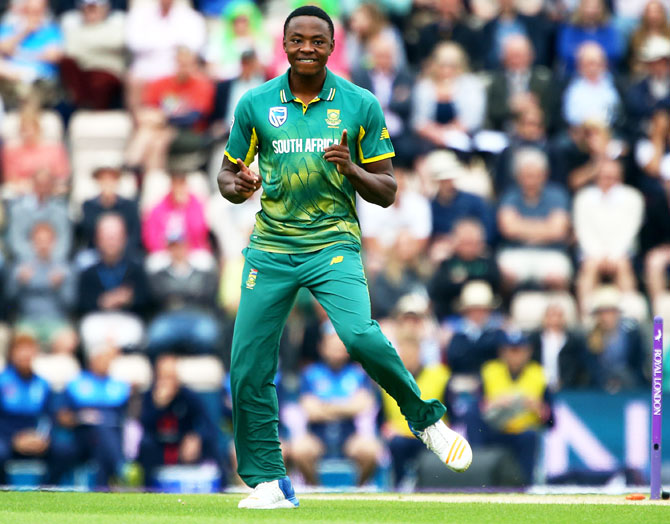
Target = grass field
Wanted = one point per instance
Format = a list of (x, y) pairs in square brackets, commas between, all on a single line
[(101, 508)]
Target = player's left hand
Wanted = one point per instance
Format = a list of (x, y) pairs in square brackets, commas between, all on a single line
[(339, 155)]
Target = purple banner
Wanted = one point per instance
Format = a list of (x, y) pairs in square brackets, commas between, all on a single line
[(656, 409)]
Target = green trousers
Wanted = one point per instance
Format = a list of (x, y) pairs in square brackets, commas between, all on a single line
[(270, 283)]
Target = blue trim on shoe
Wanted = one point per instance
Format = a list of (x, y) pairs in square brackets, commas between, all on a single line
[(287, 489)]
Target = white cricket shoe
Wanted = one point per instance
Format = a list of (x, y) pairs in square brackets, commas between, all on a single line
[(275, 494), (452, 449)]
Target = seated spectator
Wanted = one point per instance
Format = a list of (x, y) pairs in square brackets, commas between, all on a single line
[(560, 350), (615, 354), (432, 381), (22, 160), (41, 205), (607, 220), (469, 261), (516, 402), (174, 115), (180, 211), (26, 412), (392, 84), (591, 93), (31, 45), (95, 62), (448, 102), (94, 408), (590, 23), (113, 292), (450, 205), (477, 333), (645, 96), (335, 394), (109, 201), (187, 320), (518, 85), (154, 31), (43, 293), (534, 223), (240, 28), (653, 24), (176, 427)]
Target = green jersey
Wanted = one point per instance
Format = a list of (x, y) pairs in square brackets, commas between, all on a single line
[(306, 203)]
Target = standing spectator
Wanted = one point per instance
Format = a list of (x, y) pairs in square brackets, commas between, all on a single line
[(336, 397), (534, 224), (94, 407), (646, 95), (31, 45), (39, 206), (179, 212), (518, 85), (109, 201), (113, 293), (154, 31), (42, 291), (516, 402), (26, 411), (392, 84), (477, 334), (560, 350), (176, 427), (615, 352), (607, 220), (592, 93), (94, 62), (174, 115), (187, 296), (469, 261), (32, 153), (448, 102), (590, 23)]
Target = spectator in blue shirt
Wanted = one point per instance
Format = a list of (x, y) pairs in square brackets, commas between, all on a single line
[(336, 397), (176, 427), (95, 406), (26, 410)]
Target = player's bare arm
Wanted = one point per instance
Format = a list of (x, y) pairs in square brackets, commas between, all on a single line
[(375, 184), (236, 181)]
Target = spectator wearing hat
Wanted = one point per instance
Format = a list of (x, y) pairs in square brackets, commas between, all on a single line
[(615, 351), (450, 204), (109, 201), (477, 333), (94, 407), (337, 400), (534, 223), (470, 260), (27, 411), (644, 96), (95, 62), (113, 292), (651, 21), (186, 295), (607, 218), (42, 292), (516, 403)]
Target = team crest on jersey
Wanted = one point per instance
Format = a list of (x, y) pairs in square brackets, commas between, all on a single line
[(333, 117), (277, 115), (251, 279)]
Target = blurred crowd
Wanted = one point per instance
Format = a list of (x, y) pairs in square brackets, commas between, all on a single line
[(526, 252)]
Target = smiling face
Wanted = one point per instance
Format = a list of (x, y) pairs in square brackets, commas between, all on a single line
[(308, 42)]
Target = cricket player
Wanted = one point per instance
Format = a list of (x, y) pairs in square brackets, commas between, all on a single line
[(320, 140)]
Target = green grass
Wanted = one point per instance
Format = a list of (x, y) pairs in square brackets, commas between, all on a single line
[(100, 508)]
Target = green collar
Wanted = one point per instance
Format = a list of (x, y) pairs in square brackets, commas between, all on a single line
[(327, 92)]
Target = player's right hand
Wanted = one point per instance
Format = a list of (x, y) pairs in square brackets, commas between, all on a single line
[(246, 182)]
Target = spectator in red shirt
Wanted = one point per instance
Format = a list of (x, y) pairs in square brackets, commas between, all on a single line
[(174, 115)]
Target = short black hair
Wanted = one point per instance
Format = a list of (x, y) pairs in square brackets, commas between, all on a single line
[(311, 10)]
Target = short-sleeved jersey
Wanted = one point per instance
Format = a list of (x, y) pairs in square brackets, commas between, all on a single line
[(306, 204)]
